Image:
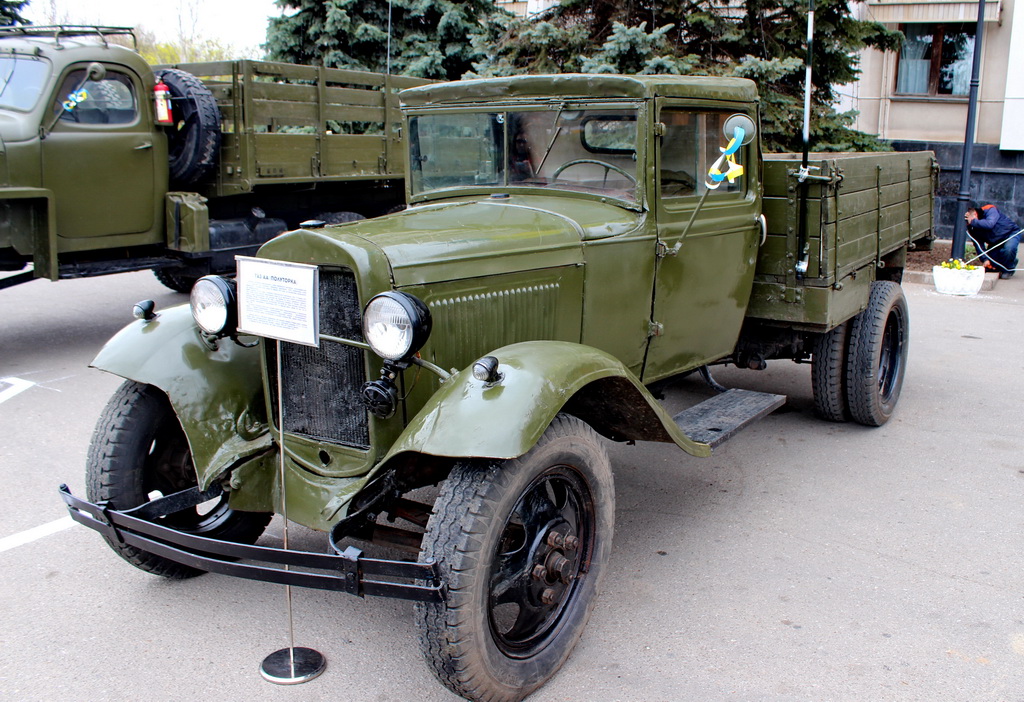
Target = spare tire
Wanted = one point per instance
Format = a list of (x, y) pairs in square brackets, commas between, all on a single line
[(194, 141)]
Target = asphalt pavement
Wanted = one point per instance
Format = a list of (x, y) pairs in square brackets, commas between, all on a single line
[(803, 561)]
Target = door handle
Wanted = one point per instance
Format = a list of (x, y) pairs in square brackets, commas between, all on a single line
[(143, 146)]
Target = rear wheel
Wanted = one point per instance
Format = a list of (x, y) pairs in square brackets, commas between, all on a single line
[(139, 452), (828, 374), (522, 546), (879, 339)]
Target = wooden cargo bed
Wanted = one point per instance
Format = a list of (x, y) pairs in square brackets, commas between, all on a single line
[(283, 123), (863, 211)]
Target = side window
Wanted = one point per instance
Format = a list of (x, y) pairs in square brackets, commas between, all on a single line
[(691, 146), (679, 149), (107, 101)]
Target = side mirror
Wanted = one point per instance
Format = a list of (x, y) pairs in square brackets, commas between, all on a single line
[(96, 71), (742, 121)]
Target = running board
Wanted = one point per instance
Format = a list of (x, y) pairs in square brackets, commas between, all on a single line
[(718, 418), (12, 279)]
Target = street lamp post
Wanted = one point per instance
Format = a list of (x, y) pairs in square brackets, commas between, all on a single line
[(963, 197)]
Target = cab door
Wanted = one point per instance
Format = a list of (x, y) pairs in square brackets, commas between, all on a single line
[(98, 158), (705, 270)]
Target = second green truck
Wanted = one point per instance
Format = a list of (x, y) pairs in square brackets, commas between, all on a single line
[(108, 164)]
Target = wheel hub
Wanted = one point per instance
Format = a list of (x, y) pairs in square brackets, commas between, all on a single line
[(540, 560)]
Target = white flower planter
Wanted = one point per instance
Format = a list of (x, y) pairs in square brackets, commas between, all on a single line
[(953, 281)]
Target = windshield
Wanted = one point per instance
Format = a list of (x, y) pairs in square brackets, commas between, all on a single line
[(22, 80), (591, 150)]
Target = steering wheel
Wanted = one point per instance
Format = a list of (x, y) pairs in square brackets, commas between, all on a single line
[(607, 167)]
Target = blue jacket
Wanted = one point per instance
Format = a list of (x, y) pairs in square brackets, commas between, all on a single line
[(993, 226)]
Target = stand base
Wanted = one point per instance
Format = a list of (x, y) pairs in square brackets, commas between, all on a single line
[(278, 669)]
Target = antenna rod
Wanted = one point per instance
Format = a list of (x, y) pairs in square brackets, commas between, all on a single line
[(808, 65), (802, 261), (388, 60)]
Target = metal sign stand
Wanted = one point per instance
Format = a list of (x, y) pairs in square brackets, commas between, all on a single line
[(289, 666)]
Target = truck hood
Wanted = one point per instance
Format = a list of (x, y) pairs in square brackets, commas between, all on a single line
[(17, 126), (481, 237)]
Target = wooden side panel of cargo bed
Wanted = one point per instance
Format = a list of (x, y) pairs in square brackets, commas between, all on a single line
[(286, 123), (871, 205)]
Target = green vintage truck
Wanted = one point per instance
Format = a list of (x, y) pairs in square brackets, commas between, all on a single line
[(570, 241), (91, 183)]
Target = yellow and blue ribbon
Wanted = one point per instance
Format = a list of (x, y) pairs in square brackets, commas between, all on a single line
[(733, 170), (74, 99)]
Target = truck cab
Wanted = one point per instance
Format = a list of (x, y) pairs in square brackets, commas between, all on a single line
[(627, 161), (76, 119)]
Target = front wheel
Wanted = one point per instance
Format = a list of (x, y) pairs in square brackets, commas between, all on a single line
[(139, 452), (522, 546), (879, 338)]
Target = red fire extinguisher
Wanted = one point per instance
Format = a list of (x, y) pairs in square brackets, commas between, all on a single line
[(162, 101)]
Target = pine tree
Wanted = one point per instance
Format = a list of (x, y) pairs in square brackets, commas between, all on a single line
[(429, 38), (763, 40), (10, 12)]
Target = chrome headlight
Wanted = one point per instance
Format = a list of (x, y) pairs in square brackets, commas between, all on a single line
[(214, 305), (396, 325)]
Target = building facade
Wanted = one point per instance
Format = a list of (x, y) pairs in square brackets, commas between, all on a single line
[(525, 9), (918, 98)]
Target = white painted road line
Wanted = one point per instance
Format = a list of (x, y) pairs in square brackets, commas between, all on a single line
[(30, 535), (9, 387)]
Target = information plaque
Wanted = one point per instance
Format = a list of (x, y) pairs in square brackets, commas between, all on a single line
[(278, 300)]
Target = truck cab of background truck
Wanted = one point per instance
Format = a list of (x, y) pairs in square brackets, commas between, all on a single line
[(76, 118)]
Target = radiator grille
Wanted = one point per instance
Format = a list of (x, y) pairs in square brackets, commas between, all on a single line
[(321, 385)]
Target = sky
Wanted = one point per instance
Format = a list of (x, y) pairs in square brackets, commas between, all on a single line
[(238, 23)]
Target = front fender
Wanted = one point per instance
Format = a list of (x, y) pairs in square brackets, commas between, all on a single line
[(216, 393), (466, 418)]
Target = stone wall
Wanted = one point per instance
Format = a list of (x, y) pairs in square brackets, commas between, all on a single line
[(997, 177)]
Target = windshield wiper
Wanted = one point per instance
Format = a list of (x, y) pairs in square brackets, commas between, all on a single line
[(7, 78), (551, 144)]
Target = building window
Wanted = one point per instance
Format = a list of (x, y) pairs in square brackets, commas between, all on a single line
[(935, 59)]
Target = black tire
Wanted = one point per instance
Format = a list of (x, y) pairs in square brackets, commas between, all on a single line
[(139, 448), (828, 374), (175, 279), (193, 143), (493, 524), (879, 340)]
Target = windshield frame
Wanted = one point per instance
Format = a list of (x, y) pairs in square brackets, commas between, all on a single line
[(506, 186)]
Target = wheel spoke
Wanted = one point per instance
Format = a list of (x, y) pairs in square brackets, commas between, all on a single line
[(510, 588), (537, 508), (511, 572), (531, 619)]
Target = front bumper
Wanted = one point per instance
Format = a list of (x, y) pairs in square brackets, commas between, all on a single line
[(345, 571)]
